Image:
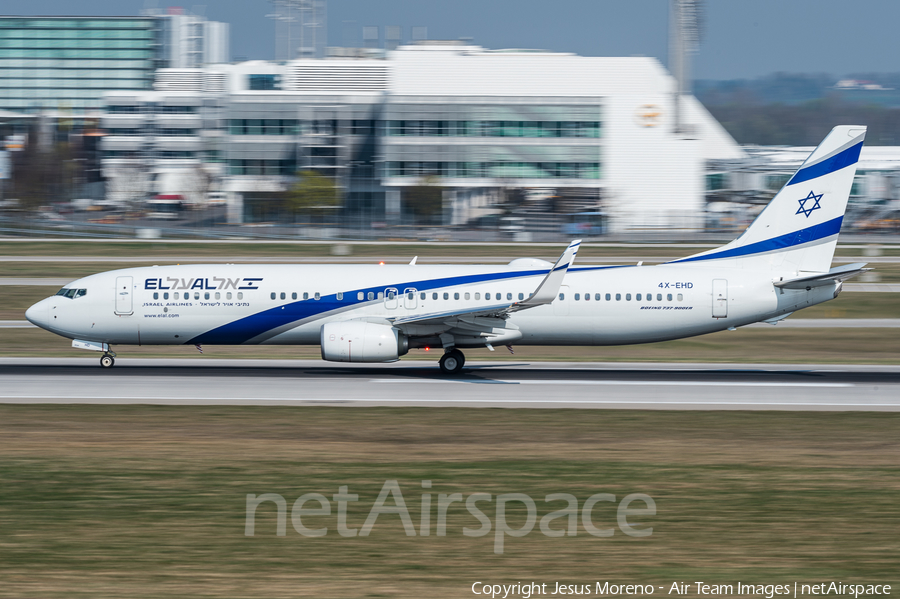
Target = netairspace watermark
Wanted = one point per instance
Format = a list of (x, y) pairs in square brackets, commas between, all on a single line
[(526, 590), (644, 505)]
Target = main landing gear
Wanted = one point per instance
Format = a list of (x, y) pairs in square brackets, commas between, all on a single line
[(108, 360), (452, 362)]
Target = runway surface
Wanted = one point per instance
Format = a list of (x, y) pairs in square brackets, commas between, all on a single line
[(482, 384)]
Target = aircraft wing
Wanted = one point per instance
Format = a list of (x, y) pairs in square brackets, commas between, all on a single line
[(835, 275), (494, 316)]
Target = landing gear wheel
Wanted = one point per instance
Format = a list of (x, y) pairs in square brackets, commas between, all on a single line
[(452, 362), (107, 361)]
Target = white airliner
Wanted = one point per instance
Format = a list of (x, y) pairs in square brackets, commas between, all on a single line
[(377, 313)]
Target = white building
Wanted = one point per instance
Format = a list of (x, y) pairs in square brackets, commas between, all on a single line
[(190, 41), (478, 122)]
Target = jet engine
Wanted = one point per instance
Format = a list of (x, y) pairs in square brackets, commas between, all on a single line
[(361, 341)]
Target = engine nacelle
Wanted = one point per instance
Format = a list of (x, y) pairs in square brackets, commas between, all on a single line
[(360, 341)]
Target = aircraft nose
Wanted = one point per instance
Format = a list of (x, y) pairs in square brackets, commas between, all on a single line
[(39, 314)]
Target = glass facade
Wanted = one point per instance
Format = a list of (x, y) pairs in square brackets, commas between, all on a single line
[(493, 128), (513, 170), (67, 63)]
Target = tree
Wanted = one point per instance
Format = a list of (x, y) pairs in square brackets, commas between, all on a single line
[(425, 200), (129, 182), (42, 176), (312, 192), (195, 184)]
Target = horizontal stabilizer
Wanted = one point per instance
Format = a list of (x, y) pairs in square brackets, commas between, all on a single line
[(835, 275)]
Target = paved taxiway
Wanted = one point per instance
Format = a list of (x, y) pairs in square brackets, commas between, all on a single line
[(482, 384)]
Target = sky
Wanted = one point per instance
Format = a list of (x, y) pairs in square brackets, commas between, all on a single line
[(741, 39)]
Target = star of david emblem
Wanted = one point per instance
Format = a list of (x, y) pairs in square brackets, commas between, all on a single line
[(807, 211)]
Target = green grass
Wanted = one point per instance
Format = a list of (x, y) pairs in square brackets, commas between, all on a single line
[(139, 501), (163, 248), (885, 272)]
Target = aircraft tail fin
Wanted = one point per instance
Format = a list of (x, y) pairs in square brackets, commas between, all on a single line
[(798, 230)]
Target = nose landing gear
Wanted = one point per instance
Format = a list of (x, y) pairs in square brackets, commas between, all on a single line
[(452, 362)]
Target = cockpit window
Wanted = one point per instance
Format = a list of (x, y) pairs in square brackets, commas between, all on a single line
[(72, 293)]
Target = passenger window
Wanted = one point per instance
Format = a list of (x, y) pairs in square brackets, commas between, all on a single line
[(218, 295), (587, 297), (240, 295), (272, 295), (637, 298), (680, 297), (306, 295), (659, 297), (206, 295), (317, 296), (410, 296), (446, 295), (340, 296), (360, 296), (423, 295), (155, 295), (521, 296), (669, 297), (596, 297), (166, 295), (283, 296), (627, 297), (228, 295), (456, 295), (562, 296), (577, 297), (466, 296), (381, 295), (176, 295), (608, 297), (434, 295), (477, 295), (294, 295), (196, 295), (618, 297), (509, 296), (487, 296), (371, 295)]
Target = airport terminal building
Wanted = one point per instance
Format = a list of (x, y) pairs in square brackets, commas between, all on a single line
[(565, 132)]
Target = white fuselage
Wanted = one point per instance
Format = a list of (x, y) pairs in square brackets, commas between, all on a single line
[(234, 304)]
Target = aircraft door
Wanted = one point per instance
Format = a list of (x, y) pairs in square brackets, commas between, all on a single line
[(390, 298), (124, 293), (409, 298), (719, 298), (561, 303)]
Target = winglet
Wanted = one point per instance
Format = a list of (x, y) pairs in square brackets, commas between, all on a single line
[(549, 287)]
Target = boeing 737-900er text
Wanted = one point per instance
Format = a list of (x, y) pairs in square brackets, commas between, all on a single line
[(377, 313)]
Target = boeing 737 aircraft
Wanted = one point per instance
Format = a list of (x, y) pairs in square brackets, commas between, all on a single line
[(377, 313)]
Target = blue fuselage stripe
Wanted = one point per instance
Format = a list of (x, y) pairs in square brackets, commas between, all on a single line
[(835, 163), (244, 329), (814, 233)]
